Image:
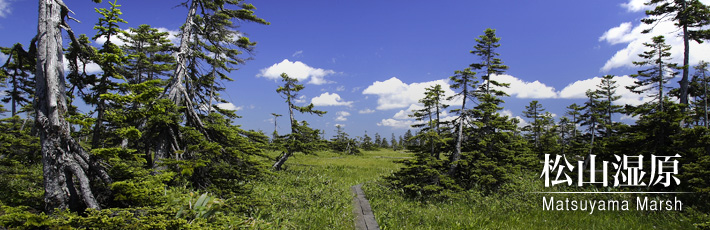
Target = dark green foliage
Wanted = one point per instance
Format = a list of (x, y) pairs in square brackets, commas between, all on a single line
[(18, 74), (341, 143)]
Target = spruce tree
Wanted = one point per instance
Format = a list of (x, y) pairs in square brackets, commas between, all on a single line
[(606, 91), (654, 79), (301, 139), (691, 17), (67, 165), (699, 89), (209, 28), (18, 69), (431, 113), (465, 81), (534, 111)]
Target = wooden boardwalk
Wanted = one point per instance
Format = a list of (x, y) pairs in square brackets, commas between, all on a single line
[(364, 219)]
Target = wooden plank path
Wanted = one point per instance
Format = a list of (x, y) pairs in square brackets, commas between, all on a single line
[(364, 219)]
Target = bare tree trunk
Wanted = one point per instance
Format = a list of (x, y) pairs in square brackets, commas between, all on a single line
[(177, 92), (279, 163), (66, 165)]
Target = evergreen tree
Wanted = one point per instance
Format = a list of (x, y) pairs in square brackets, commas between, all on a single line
[(18, 70), (606, 91), (431, 113), (465, 81), (209, 28), (149, 52), (111, 58), (691, 17), (393, 143), (301, 138), (67, 165), (591, 117), (699, 89), (658, 73), (534, 111)]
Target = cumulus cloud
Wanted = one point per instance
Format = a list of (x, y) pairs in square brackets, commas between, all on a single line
[(630, 34), (330, 99), (172, 36), (298, 70), (5, 9), (522, 89), (91, 68), (399, 124), (635, 5), (3, 58), (342, 116), (508, 113), (393, 93), (577, 90), (301, 99), (229, 106), (366, 111)]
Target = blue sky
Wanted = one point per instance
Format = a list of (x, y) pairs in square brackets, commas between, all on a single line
[(367, 62)]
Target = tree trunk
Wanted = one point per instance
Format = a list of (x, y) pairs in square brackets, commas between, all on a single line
[(459, 138), (66, 165), (282, 160), (178, 93), (686, 57)]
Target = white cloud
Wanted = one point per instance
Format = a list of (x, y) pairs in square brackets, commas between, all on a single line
[(635, 5), (172, 36), (300, 99), (341, 125), (297, 53), (394, 94), (297, 70), (578, 89), (229, 106), (340, 88), (330, 99), (342, 116), (366, 111), (400, 124), (5, 8), (640, 6), (634, 39), (91, 68), (3, 57), (404, 114), (509, 114), (523, 89)]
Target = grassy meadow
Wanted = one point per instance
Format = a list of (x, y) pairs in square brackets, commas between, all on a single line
[(314, 193)]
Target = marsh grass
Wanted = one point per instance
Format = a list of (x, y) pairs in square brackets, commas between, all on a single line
[(314, 193)]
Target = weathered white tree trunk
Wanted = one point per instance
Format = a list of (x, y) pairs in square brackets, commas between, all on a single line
[(176, 92), (66, 165)]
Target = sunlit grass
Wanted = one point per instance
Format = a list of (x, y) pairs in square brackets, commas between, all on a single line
[(314, 193)]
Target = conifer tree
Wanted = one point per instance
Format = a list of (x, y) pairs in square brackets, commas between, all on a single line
[(301, 138), (691, 17), (534, 111), (699, 89), (465, 81), (68, 168), (606, 91), (393, 143), (209, 27), (111, 58), (654, 79), (431, 113), (18, 69)]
